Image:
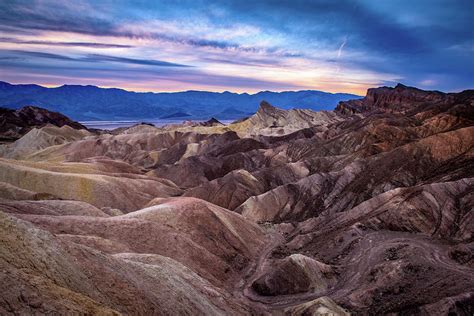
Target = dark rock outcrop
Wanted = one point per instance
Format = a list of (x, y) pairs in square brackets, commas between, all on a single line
[(399, 99), (211, 122), (16, 123)]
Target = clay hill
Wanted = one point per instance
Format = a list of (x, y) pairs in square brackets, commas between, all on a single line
[(367, 209)]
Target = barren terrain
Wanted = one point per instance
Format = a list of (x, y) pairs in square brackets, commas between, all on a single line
[(367, 209)]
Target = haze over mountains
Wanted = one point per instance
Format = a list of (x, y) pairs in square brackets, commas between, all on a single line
[(93, 103), (365, 210)]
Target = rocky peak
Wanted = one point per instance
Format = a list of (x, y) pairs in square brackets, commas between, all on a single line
[(212, 122), (401, 86), (398, 99), (267, 108)]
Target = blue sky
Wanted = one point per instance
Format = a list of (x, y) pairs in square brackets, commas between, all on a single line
[(242, 46)]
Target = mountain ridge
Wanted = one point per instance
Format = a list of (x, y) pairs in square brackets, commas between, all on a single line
[(400, 98), (95, 103)]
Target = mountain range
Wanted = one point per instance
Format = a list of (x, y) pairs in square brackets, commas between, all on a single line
[(94, 103)]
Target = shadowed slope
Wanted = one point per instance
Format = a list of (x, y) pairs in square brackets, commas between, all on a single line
[(214, 242), (78, 279)]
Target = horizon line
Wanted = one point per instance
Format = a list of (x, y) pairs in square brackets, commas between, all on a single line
[(177, 91)]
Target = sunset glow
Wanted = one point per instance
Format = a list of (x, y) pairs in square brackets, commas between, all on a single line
[(239, 46)]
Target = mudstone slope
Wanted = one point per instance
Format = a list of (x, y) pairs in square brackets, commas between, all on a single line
[(368, 209)]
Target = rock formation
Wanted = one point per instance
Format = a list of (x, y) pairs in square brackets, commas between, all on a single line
[(16, 123), (272, 121)]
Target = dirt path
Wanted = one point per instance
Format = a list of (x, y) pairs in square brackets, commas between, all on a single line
[(243, 289), (269, 303)]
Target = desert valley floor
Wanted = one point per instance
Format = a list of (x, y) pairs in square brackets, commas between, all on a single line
[(367, 209)]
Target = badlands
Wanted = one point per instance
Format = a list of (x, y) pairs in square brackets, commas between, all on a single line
[(367, 209)]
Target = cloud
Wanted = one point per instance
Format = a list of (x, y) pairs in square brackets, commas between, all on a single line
[(244, 61), (43, 16), (403, 40), (189, 78), (38, 54), (148, 62), (49, 16), (94, 58), (17, 18), (339, 51), (53, 43)]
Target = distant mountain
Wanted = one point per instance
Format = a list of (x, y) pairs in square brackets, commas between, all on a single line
[(175, 115), (91, 102)]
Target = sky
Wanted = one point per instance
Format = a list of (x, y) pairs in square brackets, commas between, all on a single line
[(239, 46)]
